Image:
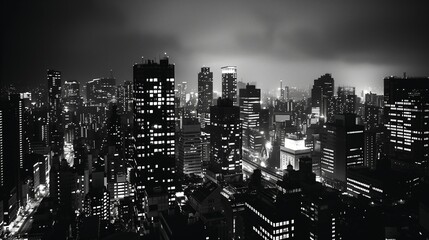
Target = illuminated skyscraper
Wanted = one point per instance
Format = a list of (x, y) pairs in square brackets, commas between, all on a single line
[(346, 100), (11, 157), (342, 148), (205, 100), (190, 152), (71, 94), (225, 137), (125, 97), (229, 83), (154, 129), (321, 95), (250, 107), (406, 113), (56, 135)]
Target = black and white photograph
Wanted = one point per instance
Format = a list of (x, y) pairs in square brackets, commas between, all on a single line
[(214, 120)]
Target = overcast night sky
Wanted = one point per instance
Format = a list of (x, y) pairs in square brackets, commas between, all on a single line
[(359, 42)]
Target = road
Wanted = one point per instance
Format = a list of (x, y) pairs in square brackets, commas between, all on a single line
[(23, 222)]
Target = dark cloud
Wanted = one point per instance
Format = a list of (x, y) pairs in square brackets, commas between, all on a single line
[(291, 40)]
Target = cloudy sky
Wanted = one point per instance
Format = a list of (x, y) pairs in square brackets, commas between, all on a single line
[(359, 42)]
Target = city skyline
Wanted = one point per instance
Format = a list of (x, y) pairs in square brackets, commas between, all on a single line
[(242, 120), (267, 42)]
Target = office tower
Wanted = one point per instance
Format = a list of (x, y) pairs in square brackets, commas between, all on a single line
[(205, 90), (256, 140), (205, 101), (71, 94), (274, 213), (406, 113), (125, 97), (342, 148), (372, 116), (100, 91), (97, 201), (373, 129), (115, 162), (371, 154), (250, 108), (71, 102), (229, 83), (225, 138), (56, 135), (346, 100), (11, 157), (321, 96), (190, 148), (154, 129)]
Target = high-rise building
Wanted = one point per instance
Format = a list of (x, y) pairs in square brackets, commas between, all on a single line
[(321, 95), (225, 138), (71, 103), (154, 129), (205, 90), (346, 100), (71, 94), (56, 135), (373, 146), (11, 157), (125, 97), (229, 83), (342, 148), (250, 108), (100, 91), (406, 113), (205, 101), (190, 148)]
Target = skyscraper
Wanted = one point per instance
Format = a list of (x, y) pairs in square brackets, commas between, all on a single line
[(190, 152), (125, 97), (342, 148), (229, 83), (154, 129), (321, 95), (205, 90), (406, 113), (346, 100), (205, 101), (225, 137), (56, 135), (71, 94), (11, 157), (250, 107)]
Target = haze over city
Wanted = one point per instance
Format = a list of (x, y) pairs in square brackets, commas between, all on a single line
[(359, 43)]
